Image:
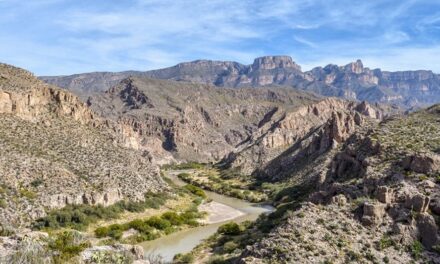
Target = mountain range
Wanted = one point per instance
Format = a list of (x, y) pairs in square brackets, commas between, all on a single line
[(408, 89)]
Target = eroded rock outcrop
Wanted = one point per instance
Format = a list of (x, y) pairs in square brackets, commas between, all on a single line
[(422, 163), (54, 151), (294, 136)]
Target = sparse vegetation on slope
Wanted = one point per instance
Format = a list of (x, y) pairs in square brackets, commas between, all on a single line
[(372, 203), (80, 216)]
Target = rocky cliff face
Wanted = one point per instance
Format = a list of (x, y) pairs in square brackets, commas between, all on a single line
[(410, 88), (376, 200), (352, 81), (177, 120), (55, 151), (292, 138)]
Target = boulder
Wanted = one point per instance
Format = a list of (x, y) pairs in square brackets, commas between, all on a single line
[(383, 194), (372, 214), (406, 233), (339, 199), (422, 163), (318, 197), (427, 184), (434, 205), (418, 202), (427, 230), (134, 251)]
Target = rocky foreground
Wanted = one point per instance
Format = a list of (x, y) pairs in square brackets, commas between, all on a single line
[(378, 201)]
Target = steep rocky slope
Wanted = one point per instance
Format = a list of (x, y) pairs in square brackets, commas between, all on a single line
[(377, 201), (290, 139), (352, 81), (55, 151), (193, 122)]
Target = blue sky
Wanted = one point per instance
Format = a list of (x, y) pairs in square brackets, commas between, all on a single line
[(52, 37)]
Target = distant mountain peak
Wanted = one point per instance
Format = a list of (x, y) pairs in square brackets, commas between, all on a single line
[(272, 62), (355, 67)]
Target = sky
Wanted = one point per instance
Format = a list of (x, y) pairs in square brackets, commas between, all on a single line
[(58, 37)]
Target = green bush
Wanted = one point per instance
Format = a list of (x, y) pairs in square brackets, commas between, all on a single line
[(173, 218), (68, 244), (196, 190), (416, 249), (101, 231), (36, 183), (184, 176), (28, 194), (115, 233), (183, 258), (385, 242), (158, 222), (231, 228), (230, 246), (217, 260)]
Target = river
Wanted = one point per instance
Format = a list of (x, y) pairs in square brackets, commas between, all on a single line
[(184, 241)]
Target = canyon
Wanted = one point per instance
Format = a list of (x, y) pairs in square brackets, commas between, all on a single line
[(359, 167)]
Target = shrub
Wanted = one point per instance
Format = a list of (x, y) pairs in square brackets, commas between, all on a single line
[(217, 260), (183, 258), (115, 233), (196, 190), (111, 257), (184, 176), (158, 222), (29, 251), (36, 183), (101, 232), (68, 244), (353, 256), (28, 193), (416, 249), (230, 246), (385, 242), (173, 218), (231, 228)]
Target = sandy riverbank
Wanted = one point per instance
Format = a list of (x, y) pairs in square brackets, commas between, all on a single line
[(218, 212)]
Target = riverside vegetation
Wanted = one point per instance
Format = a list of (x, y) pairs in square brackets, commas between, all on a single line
[(224, 182), (68, 227)]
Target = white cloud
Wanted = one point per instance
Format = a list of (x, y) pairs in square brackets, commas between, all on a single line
[(393, 37), (306, 42)]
